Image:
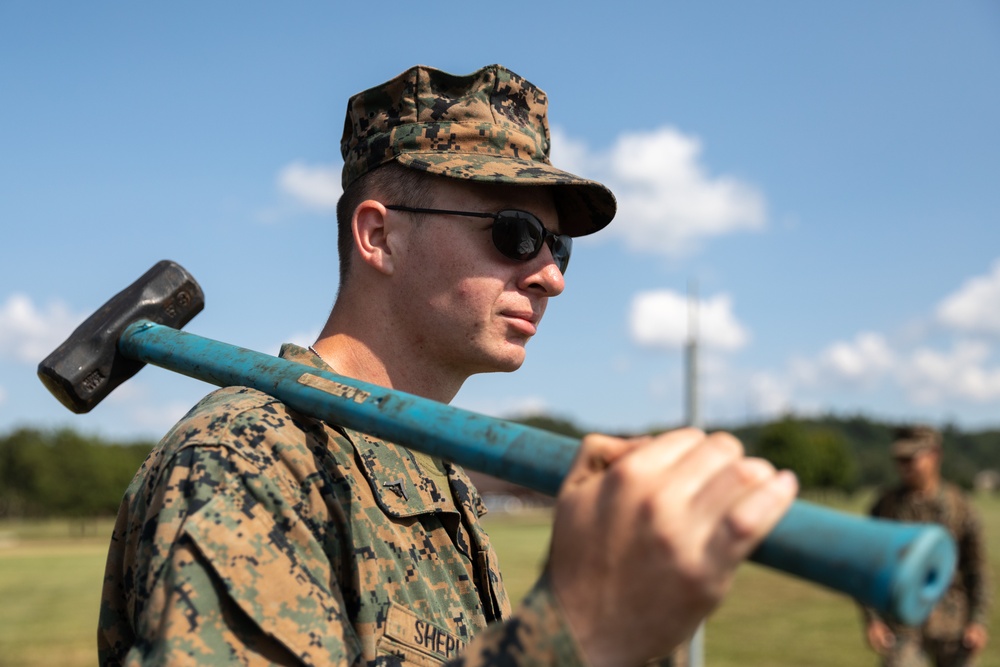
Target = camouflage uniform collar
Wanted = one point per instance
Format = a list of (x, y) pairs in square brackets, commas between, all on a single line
[(301, 355), (397, 481)]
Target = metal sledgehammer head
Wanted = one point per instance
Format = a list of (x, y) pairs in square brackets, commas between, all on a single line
[(87, 366)]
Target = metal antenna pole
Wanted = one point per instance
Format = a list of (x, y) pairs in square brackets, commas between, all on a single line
[(696, 647), (692, 416)]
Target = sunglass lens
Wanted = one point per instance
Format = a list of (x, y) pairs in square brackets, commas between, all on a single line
[(561, 247), (517, 234)]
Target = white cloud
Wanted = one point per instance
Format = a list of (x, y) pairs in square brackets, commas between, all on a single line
[(920, 371), (864, 359), (660, 319), (572, 155), (975, 307), (962, 373), (668, 202), (28, 333), (864, 362), (966, 372), (315, 186)]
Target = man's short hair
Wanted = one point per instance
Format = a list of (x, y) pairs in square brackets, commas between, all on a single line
[(391, 183)]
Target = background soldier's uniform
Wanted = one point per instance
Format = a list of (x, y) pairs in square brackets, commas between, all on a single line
[(256, 535), (967, 598)]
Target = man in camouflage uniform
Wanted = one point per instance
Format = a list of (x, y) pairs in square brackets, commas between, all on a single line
[(955, 632), (257, 535)]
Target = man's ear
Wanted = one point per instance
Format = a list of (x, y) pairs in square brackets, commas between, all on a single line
[(372, 236)]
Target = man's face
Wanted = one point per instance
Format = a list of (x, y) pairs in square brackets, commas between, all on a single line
[(466, 308), (919, 470)]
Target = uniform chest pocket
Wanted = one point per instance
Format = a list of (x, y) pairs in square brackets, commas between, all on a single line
[(267, 578), (414, 641)]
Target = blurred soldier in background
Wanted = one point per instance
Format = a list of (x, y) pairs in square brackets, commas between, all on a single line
[(955, 632)]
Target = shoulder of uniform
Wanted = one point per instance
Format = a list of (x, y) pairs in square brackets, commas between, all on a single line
[(235, 428), (952, 490), (219, 421), (956, 495), (227, 420), (227, 416), (242, 420), (888, 494)]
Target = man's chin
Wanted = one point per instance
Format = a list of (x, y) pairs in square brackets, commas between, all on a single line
[(509, 362), (508, 367)]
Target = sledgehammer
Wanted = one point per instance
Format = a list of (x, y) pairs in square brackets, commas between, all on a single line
[(901, 570)]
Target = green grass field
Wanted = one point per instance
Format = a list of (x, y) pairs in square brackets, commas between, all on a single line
[(50, 580), (50, 585)]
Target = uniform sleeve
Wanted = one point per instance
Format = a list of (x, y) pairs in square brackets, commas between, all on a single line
[(535, 636), (975, 568), (214, 567)]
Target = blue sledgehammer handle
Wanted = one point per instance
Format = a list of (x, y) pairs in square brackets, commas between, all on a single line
[(900, 570)]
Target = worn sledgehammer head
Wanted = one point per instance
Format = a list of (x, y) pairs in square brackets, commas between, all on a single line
[(87, 366)]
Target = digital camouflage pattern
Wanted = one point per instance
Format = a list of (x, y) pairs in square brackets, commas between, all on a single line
[(489, 126), (254, 535), (967, 599)]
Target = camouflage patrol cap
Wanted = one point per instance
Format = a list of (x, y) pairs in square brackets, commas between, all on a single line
[(489, 126), (911, 440)]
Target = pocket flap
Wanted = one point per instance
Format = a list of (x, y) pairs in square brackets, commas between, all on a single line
[(266, 571)]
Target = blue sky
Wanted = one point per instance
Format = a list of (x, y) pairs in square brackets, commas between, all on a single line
[(828, 175)]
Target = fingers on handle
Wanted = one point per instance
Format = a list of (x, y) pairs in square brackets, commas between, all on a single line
[(768, 495), (598, 452), (743, 497)]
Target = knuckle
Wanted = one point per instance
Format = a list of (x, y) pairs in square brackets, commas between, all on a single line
[(740, 527), (752, 471), (625, 472), (726, 442), (597, 451), (597, 442)]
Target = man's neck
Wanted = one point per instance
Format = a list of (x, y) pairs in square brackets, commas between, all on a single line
[(368, 357), (928, 488)]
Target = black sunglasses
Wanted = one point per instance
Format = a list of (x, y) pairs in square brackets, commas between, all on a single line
[(518, 235)]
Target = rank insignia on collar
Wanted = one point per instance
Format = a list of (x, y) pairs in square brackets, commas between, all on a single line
[(397, 488)]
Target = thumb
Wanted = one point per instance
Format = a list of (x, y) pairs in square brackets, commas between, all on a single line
[(597, 452)]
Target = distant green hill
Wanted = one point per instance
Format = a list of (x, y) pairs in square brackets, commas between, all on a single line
[(46, 473), (965, 452)]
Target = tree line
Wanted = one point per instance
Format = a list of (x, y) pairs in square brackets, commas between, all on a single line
[(47, 473), (64, 473), (836, 452)]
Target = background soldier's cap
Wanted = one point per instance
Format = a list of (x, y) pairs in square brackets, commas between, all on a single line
[(911, 440), (489, 126)]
